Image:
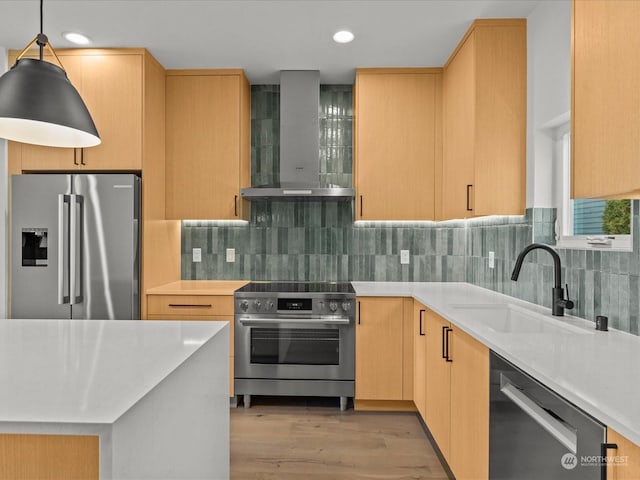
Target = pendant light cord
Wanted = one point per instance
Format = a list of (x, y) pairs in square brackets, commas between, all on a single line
[(41, 43), (41, 40)]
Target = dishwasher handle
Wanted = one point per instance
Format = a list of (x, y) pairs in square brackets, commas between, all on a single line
[(558, 429)]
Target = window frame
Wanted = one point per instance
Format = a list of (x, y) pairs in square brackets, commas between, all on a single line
[(561, 136)]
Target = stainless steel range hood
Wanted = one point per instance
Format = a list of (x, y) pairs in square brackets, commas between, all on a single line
[(299, 144)]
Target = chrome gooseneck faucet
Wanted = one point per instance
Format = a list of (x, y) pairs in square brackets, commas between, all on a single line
[(559, 303)]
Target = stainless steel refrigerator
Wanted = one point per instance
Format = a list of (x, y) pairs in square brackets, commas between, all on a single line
[(75, 246)]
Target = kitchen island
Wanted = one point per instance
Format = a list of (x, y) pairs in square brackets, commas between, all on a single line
[(114, 399)]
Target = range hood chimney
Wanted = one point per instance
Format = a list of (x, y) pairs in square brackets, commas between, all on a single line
[(299, 144)]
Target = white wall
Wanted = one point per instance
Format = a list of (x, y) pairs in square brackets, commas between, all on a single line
[(3, 208), (549, 92)]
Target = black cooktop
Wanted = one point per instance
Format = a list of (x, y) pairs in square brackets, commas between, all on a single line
[(297, 287)]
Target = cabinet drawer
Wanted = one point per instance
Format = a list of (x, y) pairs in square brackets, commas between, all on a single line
[(201, 305)]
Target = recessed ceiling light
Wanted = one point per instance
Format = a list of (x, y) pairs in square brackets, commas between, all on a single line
[(77, 38), (343, 36)]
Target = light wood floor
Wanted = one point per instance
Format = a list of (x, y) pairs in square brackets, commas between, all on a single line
[(302, 440)]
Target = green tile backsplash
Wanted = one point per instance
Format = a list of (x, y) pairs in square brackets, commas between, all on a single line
[(600, 282), (319, 240), (265, 134)]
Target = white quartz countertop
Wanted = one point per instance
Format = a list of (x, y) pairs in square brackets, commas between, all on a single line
[(89, 371), (597, 371)]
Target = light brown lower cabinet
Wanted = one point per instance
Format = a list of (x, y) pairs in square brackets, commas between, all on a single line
[(384, 354), (210, 308), (469, 451), (438, 382), (419, 357), (50, 457), (626, 458), (379, 349), (457, 395)]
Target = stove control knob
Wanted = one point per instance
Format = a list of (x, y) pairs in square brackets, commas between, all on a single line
[(257, 304), (269, 305), (244, 305), (346, 306), (333, 306)]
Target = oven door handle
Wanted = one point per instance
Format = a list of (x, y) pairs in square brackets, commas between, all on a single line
[(294, 321)]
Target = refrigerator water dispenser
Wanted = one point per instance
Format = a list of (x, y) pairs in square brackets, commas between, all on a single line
[(34, 247)]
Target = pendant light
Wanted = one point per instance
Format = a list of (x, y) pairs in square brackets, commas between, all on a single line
[(39, 105)]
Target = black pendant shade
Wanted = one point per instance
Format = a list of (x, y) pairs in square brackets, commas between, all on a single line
[(39, 105)]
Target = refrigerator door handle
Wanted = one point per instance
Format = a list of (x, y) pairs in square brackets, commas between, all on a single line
[(75, 248), (78, 291), (63, 267)]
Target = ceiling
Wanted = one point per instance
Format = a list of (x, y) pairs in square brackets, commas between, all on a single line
[(263, 36)]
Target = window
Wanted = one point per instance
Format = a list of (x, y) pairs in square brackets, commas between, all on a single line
[(585, 222)]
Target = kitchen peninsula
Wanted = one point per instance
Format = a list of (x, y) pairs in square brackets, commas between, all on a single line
[(114, 399)]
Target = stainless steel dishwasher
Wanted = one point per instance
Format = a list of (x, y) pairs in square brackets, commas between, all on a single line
[(536, 434)]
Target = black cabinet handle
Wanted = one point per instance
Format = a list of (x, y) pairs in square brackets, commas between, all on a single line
[(190, 305), (469, 209), (235, 205), (358, 312), (82, 157), (75, 156), (421, 332), (603, 458), (446, 334), (360, 206)]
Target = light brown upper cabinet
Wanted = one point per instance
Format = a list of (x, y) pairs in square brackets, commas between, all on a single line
[(208, 144), (484, 132), (111, 83), (605, 105), (397, 142)]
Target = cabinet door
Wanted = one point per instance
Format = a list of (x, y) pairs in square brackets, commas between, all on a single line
[(203, 146), (111, 87), (629, 470), (379, 348), (419, 357), (459, 133), (112, 90), (437, 397), (395, 149), (605, 116), (469, 448), (28, 456), (37, 158), (500, 119)]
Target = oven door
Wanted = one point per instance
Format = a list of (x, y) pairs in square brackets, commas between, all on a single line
[(297, 348)]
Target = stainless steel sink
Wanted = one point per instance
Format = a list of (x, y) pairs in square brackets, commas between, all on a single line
[(509, 318)]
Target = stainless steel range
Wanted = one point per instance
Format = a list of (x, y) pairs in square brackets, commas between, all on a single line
[(295, 338)]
